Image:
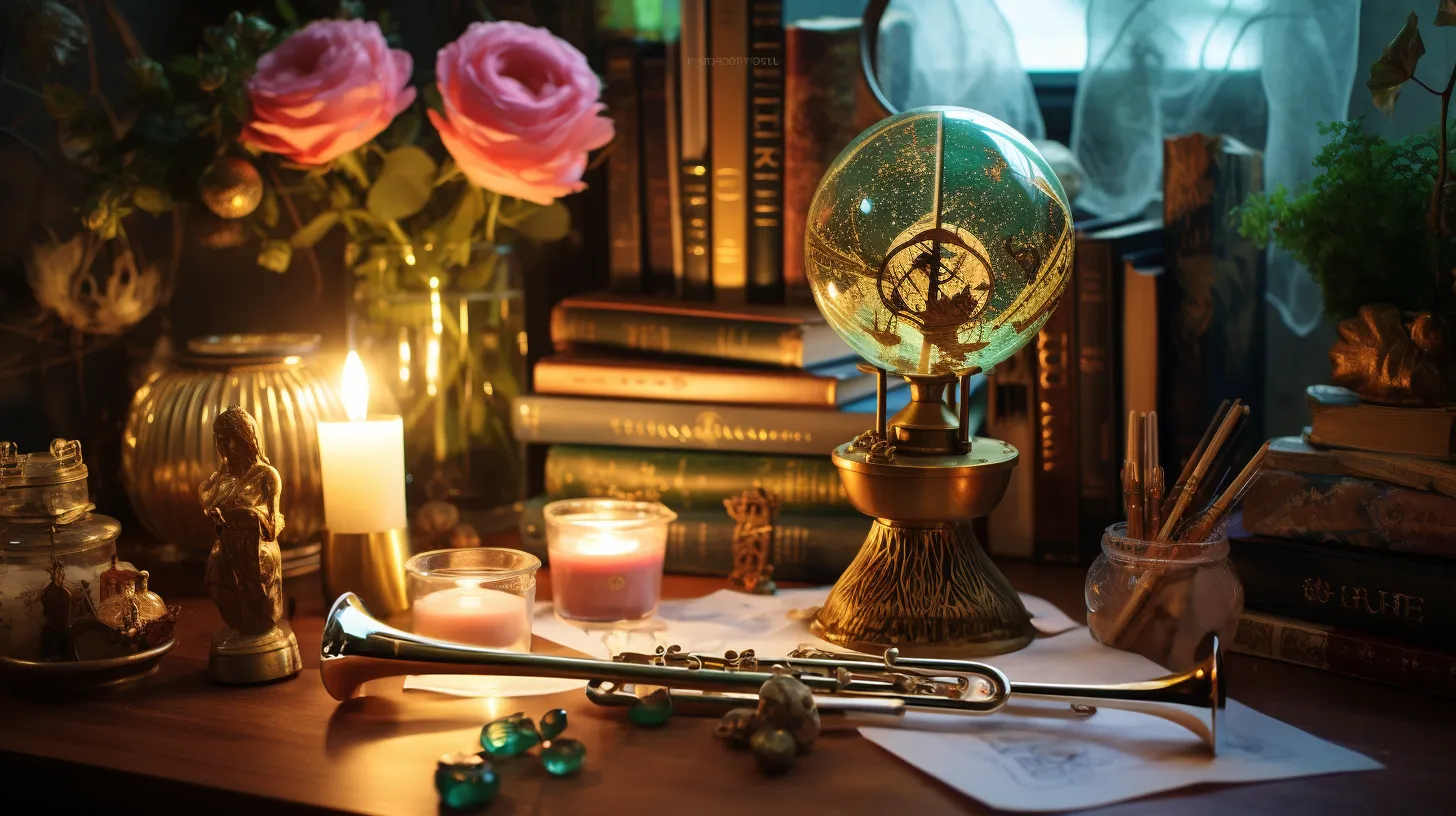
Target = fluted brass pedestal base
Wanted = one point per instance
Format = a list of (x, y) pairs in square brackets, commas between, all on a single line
[(239, 659), (930, 592)]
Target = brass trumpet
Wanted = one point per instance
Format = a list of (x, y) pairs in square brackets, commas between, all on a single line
[(358, 648)]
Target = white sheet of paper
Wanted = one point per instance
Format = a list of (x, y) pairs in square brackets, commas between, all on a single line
[(1040, 759)]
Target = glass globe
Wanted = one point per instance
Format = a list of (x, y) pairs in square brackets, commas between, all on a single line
[(939, 240)]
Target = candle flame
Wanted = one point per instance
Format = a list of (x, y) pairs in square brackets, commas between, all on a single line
[(356, 388)]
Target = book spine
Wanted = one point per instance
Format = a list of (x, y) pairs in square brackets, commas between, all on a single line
[(674, 165), (1098, 459), (624, 207), (1211, 296), (1055, 455), (1354, 512), (768, 343), (805, 548), (728, 43), (695, 178), (826, 104), (657, 165), (732, 428), (746, 387), (693, 480), (1404, 597), (766, 152), (1011, 417), (1344, 652)]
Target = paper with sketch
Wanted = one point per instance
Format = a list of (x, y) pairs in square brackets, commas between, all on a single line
[(1040, 759)]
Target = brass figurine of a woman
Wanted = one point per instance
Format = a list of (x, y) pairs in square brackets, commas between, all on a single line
[(245, 567)]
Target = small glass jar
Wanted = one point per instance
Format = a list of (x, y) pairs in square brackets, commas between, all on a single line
[(46, 519), (606, 558), (481, 596), (1163, 601)]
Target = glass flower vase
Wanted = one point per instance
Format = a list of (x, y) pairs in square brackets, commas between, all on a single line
[(452, 355)]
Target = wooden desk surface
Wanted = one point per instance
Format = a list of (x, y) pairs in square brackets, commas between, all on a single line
[(177, 743)]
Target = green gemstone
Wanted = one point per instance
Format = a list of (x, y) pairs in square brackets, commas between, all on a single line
[(563, 757), (652, 710), (553, 723), (509, 736), (465, 782)]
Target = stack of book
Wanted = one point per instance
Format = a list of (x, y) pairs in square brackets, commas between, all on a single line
[(1347, 547), (726, 120), (690, 404)]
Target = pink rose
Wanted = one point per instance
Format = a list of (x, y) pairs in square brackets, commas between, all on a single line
[(521, 110), (326, 90)]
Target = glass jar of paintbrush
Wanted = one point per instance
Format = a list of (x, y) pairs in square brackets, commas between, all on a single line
[(1162, 586)]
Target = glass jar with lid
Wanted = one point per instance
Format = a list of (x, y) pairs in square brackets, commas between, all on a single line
[(46, 520)]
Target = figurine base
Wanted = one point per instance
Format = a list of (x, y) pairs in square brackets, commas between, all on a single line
[(237, 659), (370, 565), (927, 591)]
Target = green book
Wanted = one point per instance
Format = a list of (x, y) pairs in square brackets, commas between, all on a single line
[(689, 480), (813, 548)]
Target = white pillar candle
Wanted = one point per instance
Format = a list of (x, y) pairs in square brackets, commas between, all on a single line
[(363, 463)]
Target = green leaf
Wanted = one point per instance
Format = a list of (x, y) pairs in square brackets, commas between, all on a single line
[(314, 231), (62, 101), (286, 12), (546, 224), (404, 184), (353, 167), (464, 219), (1397, 64), (151, 200), (275, 256), (186, 65), (1446, 13), (404, 130), (268, 211)]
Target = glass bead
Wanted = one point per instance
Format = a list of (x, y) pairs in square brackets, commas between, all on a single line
[(465, 782), (939, 240), (553, 723), (509, 736), (652, 710), (563, 757)]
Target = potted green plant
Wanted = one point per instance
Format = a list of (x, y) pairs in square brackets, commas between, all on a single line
[(1374, 228)]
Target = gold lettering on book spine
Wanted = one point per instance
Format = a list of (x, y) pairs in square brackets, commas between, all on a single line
[(707, 428)]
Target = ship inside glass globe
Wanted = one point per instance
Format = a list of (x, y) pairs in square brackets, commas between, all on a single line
[(939, 240)]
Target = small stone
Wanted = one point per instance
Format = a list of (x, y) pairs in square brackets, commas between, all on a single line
[(509, 736), (563, 757), (652, 710), (774, 748), (784, 702), (737, 727), (553, 723), (465, 782)]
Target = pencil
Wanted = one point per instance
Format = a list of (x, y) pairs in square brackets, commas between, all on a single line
[(1213, 426), (1190, 488), (1220, 507)]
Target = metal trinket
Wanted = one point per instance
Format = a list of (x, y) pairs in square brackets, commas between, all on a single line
[(755, 512)]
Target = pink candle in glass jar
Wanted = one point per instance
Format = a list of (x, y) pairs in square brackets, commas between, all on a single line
[(475, 615), (606, 558)]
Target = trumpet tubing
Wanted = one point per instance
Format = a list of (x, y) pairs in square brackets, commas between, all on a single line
[(358, 648)]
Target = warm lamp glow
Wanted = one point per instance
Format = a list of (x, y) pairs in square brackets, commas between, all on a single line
[(356, 388)]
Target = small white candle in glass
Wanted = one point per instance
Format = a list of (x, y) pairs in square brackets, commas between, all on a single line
[(606, 558)]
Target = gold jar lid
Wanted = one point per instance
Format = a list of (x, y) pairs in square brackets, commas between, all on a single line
[(60, 465)]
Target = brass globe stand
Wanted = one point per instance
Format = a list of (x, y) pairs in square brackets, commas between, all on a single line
[(921, 582)]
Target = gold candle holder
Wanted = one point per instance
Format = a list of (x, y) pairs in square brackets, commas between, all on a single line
[(370, 565)]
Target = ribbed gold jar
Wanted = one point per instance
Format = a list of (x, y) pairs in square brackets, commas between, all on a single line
[(168, 450)]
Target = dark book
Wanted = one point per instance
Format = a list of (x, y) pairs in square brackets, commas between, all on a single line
[(1341, 420), (624, 170), (826, 105), (1401, 596), (1054, 458), (658, 165), (545, 419), (674, 168), (1293, 453), (728, 115), (815, 549), (766, 152), (1011, 417), (1342, 651), (787, 336), (693, 480), (694, 177), (1356, 512), (1211, 294), (1138, 315), (824, 386)]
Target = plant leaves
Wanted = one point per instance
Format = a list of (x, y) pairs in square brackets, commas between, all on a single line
[(404, 184), (62, 101), (1446, 13), (546, 224), (1397, 64), (314, 231), (286, 12)]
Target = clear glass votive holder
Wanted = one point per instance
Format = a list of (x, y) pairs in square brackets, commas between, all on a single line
[(606, 558), (481, 596), (1163, 600)]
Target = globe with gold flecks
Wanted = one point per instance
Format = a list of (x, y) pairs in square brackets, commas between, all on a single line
[(939, 241)]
